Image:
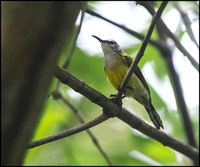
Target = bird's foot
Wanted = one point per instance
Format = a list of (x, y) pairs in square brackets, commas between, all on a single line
[(115, 100)]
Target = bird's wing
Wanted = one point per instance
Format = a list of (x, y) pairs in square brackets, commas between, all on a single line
[(128, 61)]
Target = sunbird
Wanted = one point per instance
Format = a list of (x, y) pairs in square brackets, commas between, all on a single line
[(116, 65)]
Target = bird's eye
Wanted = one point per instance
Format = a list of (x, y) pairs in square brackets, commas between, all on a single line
[(112, 42)]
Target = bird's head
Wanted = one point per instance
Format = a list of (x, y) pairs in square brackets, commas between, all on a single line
[(109, 46)]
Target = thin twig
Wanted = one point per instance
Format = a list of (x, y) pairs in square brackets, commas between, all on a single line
[(58, 95), (132, 32), (167, 55), (181, 103), (187, 23), (95, 141), (79, 86), (69, 132), (70, 53), (128, 117), (159, 135), (141, 51), (75, 38), (165, 29), (153, 42)]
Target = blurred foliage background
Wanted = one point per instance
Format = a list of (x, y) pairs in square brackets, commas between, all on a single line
[(123, 145)]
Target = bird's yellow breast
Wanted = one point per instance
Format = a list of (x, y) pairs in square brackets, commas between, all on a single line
[(135, 87), (116, 73)]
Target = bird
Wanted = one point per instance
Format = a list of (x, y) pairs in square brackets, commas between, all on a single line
[(116, 65)]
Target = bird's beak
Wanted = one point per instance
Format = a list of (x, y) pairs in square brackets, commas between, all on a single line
[(99, 39)]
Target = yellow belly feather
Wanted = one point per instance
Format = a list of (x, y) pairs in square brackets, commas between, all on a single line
[(116, 75)]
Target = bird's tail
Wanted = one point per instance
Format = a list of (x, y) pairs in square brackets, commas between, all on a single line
[(155, 118)]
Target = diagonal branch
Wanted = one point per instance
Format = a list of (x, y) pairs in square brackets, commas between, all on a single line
[(170, 34), (69, 132), (141, 51), (65, 65), (127, 117), (187, 22), (57, 95), (180, 47), (135, 122), (132, 32), (71, 51), (167, 55)]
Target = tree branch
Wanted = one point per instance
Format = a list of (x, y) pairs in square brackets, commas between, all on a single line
[(128, 117), (167, 55), (165, 29), (187, 23), (181, 104), (141, 51), (65, 65), (137, 123), (71, 51), (57, 95), (132, 32), (158, 44), (69, 132)]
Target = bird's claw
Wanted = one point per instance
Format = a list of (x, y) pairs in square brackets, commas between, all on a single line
[(112, 96), (116, 101)]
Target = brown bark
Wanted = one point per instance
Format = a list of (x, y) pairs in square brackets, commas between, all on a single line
[(33, 36)]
